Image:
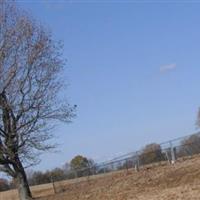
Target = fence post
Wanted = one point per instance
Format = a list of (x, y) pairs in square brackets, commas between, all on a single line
[(136, 167), (104, 169), (127, 165), (137, 164), (173, 156), (167, 156), (94, 170), (54, 188)]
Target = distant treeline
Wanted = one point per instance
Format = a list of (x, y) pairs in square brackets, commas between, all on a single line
[(81, 166)]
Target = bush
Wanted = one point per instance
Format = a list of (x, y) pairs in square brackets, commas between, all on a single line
[(58, 174), (151, 153), (190, 146)]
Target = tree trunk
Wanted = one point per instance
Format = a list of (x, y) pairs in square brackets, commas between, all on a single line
[(22, 184)]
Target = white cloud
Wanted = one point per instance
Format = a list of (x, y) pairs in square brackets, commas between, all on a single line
[(166, 68)]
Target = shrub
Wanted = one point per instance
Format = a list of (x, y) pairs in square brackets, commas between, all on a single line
[(151, 153)]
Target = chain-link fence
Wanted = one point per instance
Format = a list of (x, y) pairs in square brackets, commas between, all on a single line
[(165, 153)]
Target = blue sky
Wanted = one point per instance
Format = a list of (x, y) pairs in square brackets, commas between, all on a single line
[(133, 70)]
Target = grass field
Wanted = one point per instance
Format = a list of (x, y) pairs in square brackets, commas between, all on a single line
[(167, 182)]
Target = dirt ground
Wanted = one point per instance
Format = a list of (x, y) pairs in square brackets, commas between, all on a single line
[(168, 182)]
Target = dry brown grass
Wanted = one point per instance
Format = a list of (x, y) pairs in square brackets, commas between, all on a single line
[(38, 191), (168, 182)]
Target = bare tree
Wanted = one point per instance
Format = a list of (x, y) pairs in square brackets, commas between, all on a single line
[(30, 67)]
